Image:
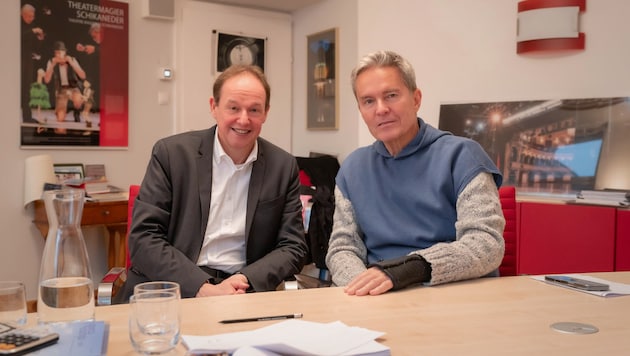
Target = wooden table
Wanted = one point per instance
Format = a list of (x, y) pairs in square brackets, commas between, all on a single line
[(489, 316), (111, 214)]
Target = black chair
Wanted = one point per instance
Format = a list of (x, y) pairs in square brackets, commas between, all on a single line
[(320, 172)]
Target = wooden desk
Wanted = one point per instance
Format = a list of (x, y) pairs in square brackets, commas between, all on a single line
[(111, 214), (488, 316)]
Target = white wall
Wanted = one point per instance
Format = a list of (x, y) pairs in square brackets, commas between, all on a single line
[(195, 76), (465, 51), (316, 18)]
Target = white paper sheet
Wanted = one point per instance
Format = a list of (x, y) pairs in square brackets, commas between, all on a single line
[(295, 337)]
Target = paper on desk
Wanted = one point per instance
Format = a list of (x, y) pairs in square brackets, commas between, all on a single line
[(296, 337), (616, 289), (86, 338)]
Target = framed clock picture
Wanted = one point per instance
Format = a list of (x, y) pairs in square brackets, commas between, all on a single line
[(234, 48)]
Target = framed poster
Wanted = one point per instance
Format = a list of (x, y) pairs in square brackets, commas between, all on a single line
[(238, 49), (321, 81), (74, 74), (548, 146)]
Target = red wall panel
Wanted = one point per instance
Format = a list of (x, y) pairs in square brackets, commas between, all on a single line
[(622, 251), (559, 238)]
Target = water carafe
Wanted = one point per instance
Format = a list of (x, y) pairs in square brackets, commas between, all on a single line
[(66, 290)]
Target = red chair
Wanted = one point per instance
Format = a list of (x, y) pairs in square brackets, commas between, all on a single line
[(510, 234), (133, 193), (114, 279)]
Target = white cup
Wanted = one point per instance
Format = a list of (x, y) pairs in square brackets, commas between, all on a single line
[(154, 321), (157, 286), (12, 303)]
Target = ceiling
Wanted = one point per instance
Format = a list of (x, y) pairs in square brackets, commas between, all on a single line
[(287, 6)]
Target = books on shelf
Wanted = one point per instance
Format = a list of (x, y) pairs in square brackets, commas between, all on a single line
[(109, 193), (115, 196), (104, 187), (101, 190), (96, 185)]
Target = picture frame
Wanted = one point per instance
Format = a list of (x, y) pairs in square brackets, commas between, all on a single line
[(238, 48), (549, 146), (322, 106), (97, 116), (69, 173)]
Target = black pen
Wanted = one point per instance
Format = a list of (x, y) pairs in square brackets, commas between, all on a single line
[(262, 318)]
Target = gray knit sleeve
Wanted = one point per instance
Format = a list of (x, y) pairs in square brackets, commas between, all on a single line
[(479, 246), (347, 254), (477, 251)]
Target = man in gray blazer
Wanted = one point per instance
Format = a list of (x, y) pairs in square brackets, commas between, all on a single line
[(218, 210)]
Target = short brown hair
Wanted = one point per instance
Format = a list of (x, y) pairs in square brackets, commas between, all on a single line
[(235, 70)]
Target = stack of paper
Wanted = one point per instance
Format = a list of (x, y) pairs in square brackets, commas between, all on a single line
[(291, 337), (609, 197)]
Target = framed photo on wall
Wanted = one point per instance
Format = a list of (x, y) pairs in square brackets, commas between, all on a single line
[(321, 80), (234, 48), (550, 146), (74, 68)]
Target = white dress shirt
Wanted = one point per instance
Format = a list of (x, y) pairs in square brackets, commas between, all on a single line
[(224, 242)]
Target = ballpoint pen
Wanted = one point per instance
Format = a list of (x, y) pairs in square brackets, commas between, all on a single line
[(262, 318)]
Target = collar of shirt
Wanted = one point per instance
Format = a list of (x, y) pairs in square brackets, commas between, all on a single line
[(219, 155)]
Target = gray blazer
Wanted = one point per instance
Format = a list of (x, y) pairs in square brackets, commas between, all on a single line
[(171, 213)]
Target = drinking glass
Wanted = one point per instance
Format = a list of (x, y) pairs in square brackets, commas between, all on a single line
[(12, 303), (154, 321), (157, 286)]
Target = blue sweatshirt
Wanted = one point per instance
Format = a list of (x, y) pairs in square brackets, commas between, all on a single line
[(408, 202)]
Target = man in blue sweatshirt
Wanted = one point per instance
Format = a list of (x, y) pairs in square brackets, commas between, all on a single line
[(419, 205)]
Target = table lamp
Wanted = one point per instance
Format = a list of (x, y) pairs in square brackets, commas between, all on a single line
[(38, 170)]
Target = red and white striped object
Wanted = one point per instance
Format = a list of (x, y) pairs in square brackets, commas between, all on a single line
[(545, 25)]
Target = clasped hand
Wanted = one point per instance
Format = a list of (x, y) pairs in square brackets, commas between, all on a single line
[(235, 284)]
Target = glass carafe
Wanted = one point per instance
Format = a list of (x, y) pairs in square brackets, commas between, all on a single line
[(66, 290)]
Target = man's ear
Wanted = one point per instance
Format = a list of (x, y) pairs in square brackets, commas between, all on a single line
[(213, 104), (417, 98), (266, 113)]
